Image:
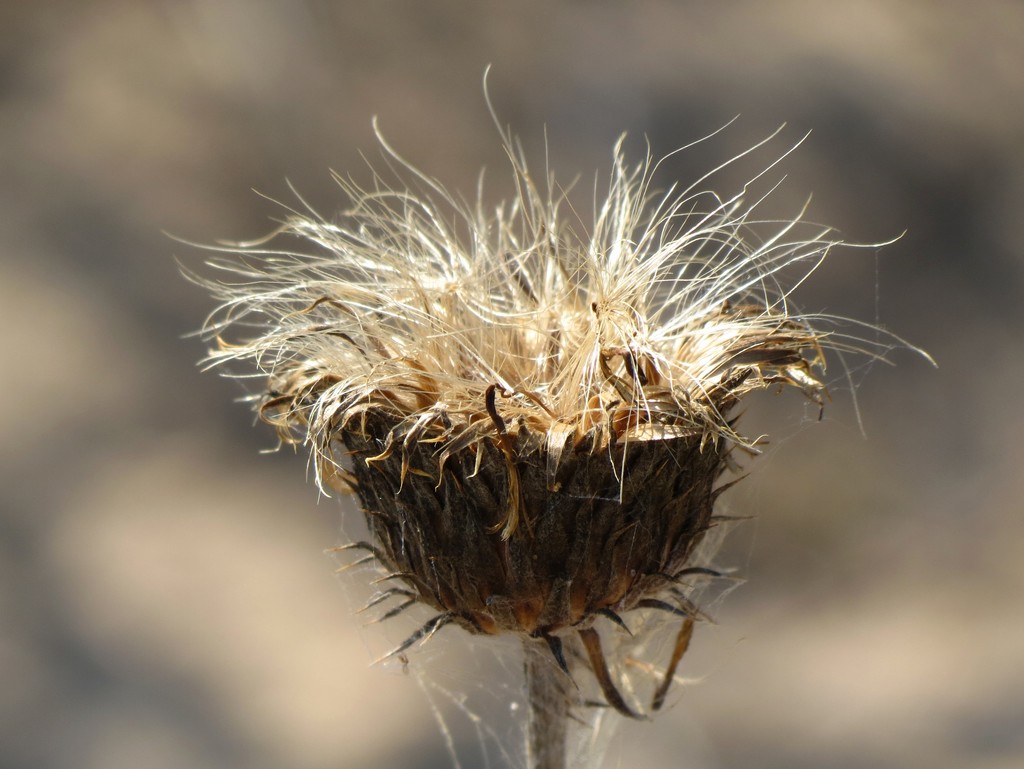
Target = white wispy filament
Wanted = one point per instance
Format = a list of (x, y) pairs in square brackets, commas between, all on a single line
[(424, 301)]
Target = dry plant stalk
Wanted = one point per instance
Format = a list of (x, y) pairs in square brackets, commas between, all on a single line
[(535, 420)]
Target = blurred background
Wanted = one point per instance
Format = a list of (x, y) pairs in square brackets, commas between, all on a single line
[(165, 600)]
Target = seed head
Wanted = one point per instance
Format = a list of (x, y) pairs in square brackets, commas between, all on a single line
[(534, 414)]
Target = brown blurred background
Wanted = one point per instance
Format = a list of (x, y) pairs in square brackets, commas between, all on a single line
[(164, 597)]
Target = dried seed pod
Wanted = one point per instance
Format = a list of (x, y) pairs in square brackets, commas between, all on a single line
[(535, 422)]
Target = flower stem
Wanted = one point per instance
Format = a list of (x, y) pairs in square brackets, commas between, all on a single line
[(547, 690)]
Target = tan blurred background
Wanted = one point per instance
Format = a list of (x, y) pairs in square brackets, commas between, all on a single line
[(164, 597)]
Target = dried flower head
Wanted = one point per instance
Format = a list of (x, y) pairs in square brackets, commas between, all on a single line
[(535, 419)]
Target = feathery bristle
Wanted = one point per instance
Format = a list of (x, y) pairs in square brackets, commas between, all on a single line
[(669, 309)]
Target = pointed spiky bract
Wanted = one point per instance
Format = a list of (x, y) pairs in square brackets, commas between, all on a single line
[(534, 414)]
